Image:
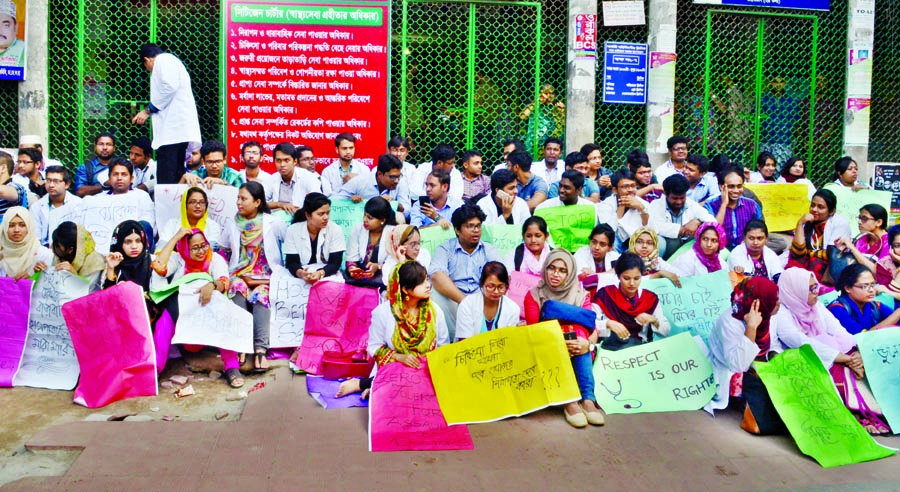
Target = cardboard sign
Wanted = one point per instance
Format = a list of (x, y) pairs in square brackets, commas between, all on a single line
[(115, 351), (665, 375), (288, 297), (404, 414), (695, 306), (102, 213), (849, 202), (804, 395), (570, 227), (49, 360), (519, 285), (222, 206), (14, 312), (503, 373), (503, 237), (880, 350), (783, 203), (220, 323), (432, 237)]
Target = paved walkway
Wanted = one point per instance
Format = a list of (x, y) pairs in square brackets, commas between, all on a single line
[(285, 441)]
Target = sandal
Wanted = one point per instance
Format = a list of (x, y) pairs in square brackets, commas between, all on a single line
[(234, 377), (260, 363)]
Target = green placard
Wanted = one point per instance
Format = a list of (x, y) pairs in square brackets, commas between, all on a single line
[(569, 226)]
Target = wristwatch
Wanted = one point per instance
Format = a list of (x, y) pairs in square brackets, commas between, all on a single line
[(592, 347)]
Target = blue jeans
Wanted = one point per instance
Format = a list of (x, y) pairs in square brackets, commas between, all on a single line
[(584, 375)]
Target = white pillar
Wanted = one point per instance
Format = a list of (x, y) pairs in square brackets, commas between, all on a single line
[(661, 82), (581, 83), (860, 42), (33, 111)]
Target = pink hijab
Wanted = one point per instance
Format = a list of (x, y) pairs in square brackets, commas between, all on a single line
[(711, 262), (794, 288)]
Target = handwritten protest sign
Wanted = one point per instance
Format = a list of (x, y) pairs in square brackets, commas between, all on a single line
[(13, 325), (49, 360), (115, 351), (880, 350), (404, 414), (849, 202), (696, 305), (338, 318), (102, 213), (348, 215), (803, 393), (222, 205), (288, 297), (666, 375), (570, 227), (503, 373), (783, 203), (70, 212), (432, 237), (503, 237), (519, 285), (220, 323)]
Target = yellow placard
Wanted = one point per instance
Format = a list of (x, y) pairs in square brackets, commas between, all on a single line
[(783, 203), (503, 373)]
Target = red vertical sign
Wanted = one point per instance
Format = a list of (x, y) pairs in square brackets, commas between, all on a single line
[(303, 73)]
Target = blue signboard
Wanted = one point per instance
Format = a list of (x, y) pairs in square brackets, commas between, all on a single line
[(625, 73), (782, 4)]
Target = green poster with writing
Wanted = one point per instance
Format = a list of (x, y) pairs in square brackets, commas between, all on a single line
[(504, 237), (434, 236), (569, 226), (822, 426), (695, 306)]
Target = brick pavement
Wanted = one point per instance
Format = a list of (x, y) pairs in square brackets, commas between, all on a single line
[(285, 441)]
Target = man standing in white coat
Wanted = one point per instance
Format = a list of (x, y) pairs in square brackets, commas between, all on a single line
[(173, 112)]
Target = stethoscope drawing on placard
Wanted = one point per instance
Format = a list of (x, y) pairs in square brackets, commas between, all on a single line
[(618, 393)]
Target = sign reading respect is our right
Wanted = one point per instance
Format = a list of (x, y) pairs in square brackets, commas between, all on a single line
[(303, 73)]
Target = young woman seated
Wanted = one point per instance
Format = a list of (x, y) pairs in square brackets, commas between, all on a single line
[(598, 256), (856, 308), (370, 244), (626, 310), (645, 243), (872, 244), (21, 253), (489, 308), (752, 257), (314, 246), (73, 251), (815, 231), (405, 243), (529, 256), (704, 257)]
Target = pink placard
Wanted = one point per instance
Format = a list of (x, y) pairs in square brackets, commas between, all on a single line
[(13, 325), (337, 318), (404, 414), (115, 349), (519, 285)]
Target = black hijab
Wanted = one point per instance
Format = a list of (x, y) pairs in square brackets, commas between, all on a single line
[(135, 269)]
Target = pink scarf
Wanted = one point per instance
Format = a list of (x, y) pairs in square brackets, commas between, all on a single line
[(533, 265), (794, 289), (711, 262)]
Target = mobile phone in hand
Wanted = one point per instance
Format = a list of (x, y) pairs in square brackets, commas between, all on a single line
[(570, 335), (424, 200)]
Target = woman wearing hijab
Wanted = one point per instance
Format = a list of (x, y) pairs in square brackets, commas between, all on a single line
[(704, 257), (129, 256), (559, 282), (73, 250), (21, 254), (405, 244), (194, 215), (628, 311), (195, 256), (741, 337), (254, 239), (645, 243)]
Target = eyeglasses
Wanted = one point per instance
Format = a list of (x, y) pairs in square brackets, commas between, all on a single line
[(863, 218), (472, 227), (679, 148), (734, 187), (251, 152), (199, 248), (214, 163), (500, 288), (194, 203), (814, 289), (870, 286), (55, 181), (393, 178), (554, 270), (414, 244)]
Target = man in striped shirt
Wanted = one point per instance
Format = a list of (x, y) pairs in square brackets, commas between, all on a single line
[(731, 208)]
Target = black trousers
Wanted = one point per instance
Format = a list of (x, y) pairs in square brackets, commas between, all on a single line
[(170, 163)]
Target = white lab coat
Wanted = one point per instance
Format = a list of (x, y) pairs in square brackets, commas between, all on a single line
[(170, 92)]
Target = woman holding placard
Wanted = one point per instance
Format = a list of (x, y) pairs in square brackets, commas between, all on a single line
[(195, 256), (529, 257), (370, 243), (815, 231), (73, 250), (559, 282), (645, 243), (254, 240), (314, 246), (741, 337), (405, 244), (194, 215), (704, 257), (21, 253), (489, 309)]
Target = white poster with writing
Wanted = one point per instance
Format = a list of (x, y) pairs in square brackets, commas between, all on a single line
[(288, 297), (222, 206), (102, 213), (220, 323), (70, 212), (49, 359)]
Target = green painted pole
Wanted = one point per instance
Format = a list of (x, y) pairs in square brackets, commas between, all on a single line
[(80, 62), (470, 79), (153, 13), (537, 78), (707, 64), (812, 91), (760, 52), (403, 69)]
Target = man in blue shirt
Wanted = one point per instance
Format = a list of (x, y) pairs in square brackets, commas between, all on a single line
[(704, 185), (576, 161), (437, 206), (92, 176), (384, 182), (456, 265), (532, 189)]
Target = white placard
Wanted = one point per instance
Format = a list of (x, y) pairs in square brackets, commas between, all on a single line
[(288, 297), (222, 205), (220, 323), (102, 213), (624, 13)]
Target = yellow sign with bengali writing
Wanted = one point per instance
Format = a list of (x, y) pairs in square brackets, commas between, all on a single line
[(783, 203), (503, 373)]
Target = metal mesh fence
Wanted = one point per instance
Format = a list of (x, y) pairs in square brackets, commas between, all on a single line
[(760, 79), (9, 111), (96, 81), (618, 128), (470, 72), (884, 133)]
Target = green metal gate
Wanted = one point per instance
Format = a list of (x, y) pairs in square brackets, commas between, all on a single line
[(95, 80), (884, 141), (760, 75), (466, 71)]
